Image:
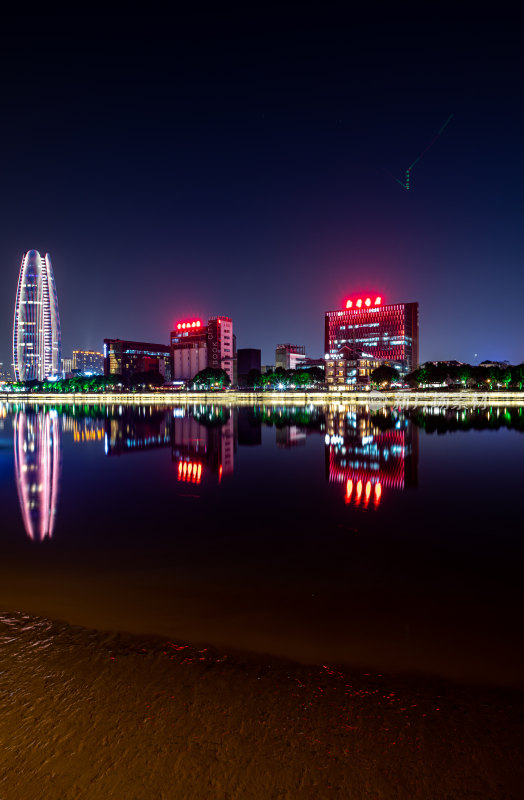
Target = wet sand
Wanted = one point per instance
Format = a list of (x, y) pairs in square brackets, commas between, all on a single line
[(86, 714)]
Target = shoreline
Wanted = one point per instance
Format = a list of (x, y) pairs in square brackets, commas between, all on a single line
[(403, 398), (96, 714)]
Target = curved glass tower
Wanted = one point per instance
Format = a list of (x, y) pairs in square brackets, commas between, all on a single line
[(37, 344)]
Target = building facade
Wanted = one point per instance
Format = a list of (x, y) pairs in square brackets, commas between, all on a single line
[(288, 356), (382, 332), (127, 358), (37, 343), (350, 368), (248, 358), (195, 346), (88, 361)]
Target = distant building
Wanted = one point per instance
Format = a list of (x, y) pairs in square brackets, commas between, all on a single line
[(306, 363), (499, 364), (350, 368), (385, 332), (248, 358), (37, 342), (287, 356), (195, 346), (88, 361), (127, 358), (67, 367), (451, 363)]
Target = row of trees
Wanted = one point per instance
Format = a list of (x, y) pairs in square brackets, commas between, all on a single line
[(209, 379), (286, 378), (92, 383), (441, 374), (467, 375), (427, 375)]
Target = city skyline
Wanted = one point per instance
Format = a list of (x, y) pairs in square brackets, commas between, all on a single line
[(223, 161)]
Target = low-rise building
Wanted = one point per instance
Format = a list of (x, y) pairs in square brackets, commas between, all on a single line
[(287, 356), (126, 358), (351, 368)]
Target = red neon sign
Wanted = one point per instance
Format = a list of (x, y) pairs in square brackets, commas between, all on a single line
[(367, 302), (182, 326)]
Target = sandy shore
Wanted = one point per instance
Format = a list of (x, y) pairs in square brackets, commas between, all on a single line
[(92, 715)]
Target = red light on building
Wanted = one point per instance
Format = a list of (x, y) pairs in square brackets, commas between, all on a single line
[(193, 324), (368, 490), (349, 490), (378, 492), (368, 302), (359, 491)]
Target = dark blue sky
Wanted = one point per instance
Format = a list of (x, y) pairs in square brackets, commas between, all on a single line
[(234, 162)]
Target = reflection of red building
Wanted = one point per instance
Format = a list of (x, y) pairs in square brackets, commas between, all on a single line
[(367, 459), (196, 446)]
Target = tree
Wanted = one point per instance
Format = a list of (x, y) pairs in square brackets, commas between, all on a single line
[(253, 378), (384, 374), (517, 375), (211, 378), (146, 379)]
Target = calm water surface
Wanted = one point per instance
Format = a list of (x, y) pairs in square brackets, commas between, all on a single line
[(381, 538)]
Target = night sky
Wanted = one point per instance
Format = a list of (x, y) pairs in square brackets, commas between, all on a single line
[(235, 162)]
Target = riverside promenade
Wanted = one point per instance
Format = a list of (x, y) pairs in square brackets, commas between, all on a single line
[(405, 398)]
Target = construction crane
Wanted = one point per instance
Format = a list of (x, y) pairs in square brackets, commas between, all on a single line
[(407, 176)]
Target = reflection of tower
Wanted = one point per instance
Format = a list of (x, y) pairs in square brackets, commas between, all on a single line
[(37, 345), (38, 457), (370, 454)]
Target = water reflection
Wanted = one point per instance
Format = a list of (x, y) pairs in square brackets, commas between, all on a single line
[(204, 439), (38, 460), (368, 453)]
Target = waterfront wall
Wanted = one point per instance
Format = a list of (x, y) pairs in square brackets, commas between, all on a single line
[(411, 398)]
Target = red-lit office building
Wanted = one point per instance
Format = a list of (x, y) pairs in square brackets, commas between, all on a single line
[(384, 332), (195, 346)]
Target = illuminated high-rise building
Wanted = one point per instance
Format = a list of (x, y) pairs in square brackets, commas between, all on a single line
[(371, 329), (37, 344)]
